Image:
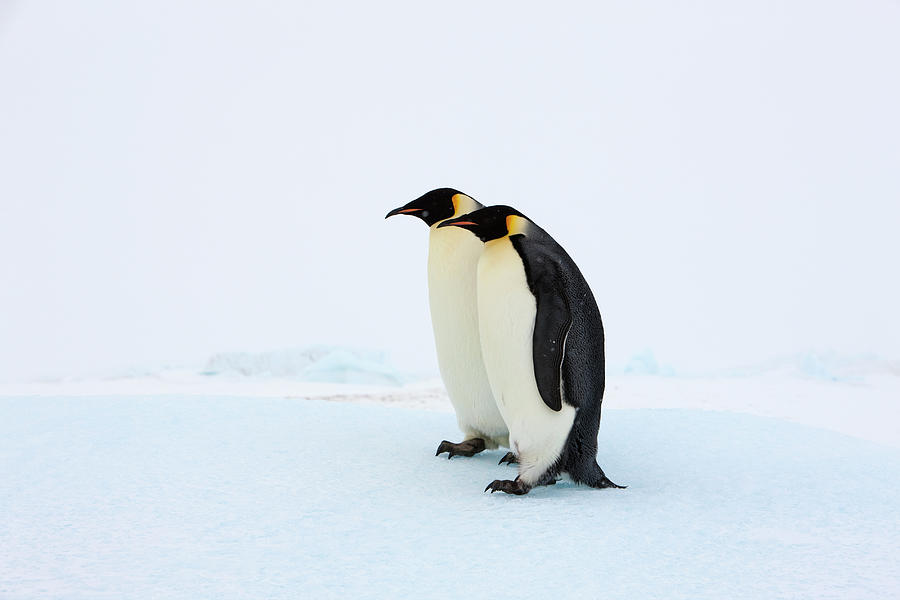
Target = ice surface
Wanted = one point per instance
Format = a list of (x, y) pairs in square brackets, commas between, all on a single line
[(189, 497), (864, 407)]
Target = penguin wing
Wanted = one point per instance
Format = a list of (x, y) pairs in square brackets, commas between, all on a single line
[(551, 327)]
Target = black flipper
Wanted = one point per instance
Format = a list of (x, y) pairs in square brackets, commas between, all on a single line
[(551, 326)]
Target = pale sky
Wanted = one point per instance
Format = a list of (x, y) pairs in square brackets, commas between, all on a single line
[(179, 179)]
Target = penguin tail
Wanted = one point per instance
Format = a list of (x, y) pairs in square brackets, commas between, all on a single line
[(596, 478)]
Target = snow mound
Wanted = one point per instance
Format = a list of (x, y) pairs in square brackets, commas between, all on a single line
[(809, 365), (826, 366), (194, 497), (330, 364), (645, 363)]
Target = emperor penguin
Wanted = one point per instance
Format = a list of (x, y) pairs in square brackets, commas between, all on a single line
[(543, 347), (452, 269)]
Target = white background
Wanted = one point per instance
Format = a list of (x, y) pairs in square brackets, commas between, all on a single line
[(179, 178)]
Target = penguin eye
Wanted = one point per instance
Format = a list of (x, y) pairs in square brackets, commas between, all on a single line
[(425, 213)]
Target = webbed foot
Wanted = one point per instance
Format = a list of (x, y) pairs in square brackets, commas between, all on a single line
[(466, 448)]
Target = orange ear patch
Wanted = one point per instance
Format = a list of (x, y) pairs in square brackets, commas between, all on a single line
[(516, 225)]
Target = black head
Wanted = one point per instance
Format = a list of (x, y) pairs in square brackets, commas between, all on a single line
[(437, 205), (492, 223)]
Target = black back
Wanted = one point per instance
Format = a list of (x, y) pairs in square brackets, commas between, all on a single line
[(569, 360), (568, 340)]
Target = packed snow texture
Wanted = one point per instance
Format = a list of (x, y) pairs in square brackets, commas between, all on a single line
[(191, 497)]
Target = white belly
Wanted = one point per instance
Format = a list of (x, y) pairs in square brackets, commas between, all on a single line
[(452, 270), (506, 313)]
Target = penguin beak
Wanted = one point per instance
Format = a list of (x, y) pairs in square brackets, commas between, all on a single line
[(456, 223), (404, 211), (462, 222)]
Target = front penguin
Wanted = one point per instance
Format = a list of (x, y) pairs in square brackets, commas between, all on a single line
[(543, 348)]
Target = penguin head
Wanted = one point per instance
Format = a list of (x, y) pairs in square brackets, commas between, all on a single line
[(437, 205), (492, 223)]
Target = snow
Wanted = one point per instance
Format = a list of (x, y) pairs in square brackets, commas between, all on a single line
[(184, 177), (861, 403), (169, 495), (868, 409)]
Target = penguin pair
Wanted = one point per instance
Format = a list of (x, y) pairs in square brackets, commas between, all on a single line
[(519, 340)]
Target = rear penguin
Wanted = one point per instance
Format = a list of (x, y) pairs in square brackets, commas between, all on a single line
[(543, 347), (452, 270)]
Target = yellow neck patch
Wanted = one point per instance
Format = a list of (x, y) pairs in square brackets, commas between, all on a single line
[(462, 205), (516, 225)]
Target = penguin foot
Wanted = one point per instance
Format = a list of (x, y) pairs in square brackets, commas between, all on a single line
[(510, 487), (510, 458), (466, 448)]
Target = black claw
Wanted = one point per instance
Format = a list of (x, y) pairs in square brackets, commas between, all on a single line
[(444, 446), (509, 458), (510, 487)]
